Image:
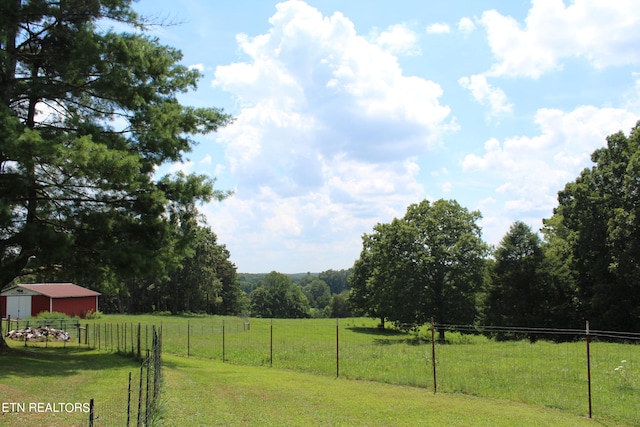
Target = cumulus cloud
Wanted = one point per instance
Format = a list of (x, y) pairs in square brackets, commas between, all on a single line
[(602, 32), (466, 26), (486, 94), (531, 170), (398, 39), (438, 28), (328, 127)]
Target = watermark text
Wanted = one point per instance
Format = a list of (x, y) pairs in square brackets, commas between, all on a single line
[(43, 407)]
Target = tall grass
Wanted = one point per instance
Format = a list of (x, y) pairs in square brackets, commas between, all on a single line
[(542, 373)]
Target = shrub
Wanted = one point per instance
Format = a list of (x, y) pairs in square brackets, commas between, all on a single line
[(93, 314), (52, 315)]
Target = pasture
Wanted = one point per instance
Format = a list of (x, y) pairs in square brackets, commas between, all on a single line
[(540, 376)]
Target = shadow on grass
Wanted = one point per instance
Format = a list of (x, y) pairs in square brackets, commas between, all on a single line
[(376, 331), (53, 362), (395, 336)]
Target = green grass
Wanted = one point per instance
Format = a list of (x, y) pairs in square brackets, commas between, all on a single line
[(261, 396), (543, 374), (55, 375)]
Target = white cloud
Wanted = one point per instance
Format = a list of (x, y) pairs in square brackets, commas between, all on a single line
[(324, 144), (398, 39), (466, 26), (198, 67), (184, 167), (531, 170), (603, 32), (438, 28), (486, 94)]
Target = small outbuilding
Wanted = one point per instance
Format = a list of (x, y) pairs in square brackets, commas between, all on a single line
[(20, 301)]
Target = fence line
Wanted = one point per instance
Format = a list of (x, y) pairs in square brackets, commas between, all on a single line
[(518, 367), (597, 373), (140, 405)]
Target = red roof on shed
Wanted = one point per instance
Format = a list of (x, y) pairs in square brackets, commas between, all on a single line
[(60, 290)]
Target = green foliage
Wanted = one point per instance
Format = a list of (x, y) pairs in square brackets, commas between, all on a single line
[(526, 287), (52, 315), (86, 117), (338, 280), (597, 226), (278, 297), (427, 264), (339, 305), (93, 315), (318, 293)]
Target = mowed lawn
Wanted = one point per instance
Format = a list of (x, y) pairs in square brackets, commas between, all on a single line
[(200, 392), (62, 378), (205, 392)]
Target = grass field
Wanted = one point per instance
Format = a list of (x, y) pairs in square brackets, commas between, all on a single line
[(543, 374), (202, 392), (60, 375)]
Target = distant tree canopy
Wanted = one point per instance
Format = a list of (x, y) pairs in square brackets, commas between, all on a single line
[(278, 297), (427, 264)]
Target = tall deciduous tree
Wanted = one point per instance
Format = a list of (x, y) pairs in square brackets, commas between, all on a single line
[(427, 264), (599, 217)]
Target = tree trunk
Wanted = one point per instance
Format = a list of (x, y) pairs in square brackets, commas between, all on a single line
[(3, 343)]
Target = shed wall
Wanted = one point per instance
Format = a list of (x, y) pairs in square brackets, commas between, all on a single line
[(39, 303), (75, 306)]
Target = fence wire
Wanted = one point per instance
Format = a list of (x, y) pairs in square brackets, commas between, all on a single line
[(542, 366), (138, 405)]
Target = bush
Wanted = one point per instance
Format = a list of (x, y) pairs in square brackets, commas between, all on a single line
[(52, 315), (93, 314)]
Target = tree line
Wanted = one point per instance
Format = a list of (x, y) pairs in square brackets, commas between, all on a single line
[(433, 264)]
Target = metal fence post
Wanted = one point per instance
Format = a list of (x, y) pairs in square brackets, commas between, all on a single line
[(91, 413), (433, 355), (129, 401), (147, 403), (337, 350), (589, 368), (140, 396)]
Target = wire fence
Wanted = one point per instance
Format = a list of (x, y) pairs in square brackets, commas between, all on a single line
[(586, 372), (45, 332), (591, 374), (137, 403), (142, 397)]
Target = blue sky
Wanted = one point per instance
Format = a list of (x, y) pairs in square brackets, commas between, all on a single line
[(347, 112)]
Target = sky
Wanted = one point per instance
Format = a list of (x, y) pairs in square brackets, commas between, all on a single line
[(347, 112)]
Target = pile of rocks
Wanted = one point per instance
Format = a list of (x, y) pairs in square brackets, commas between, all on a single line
[(40, 333)]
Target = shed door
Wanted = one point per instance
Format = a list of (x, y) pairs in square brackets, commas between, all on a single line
[(19, 306)]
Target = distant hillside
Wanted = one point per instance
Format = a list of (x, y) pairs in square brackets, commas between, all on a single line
[(336, 279)]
